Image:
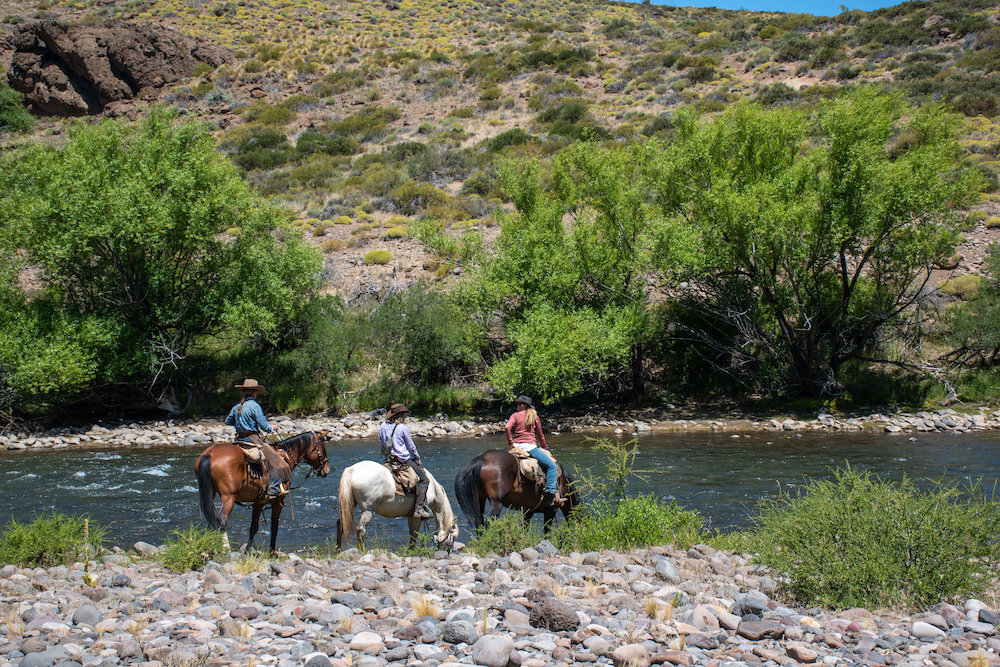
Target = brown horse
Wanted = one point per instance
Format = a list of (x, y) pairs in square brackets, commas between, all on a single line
[(222, 469), (495, 475)]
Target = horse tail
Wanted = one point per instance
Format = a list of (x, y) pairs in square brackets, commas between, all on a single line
[(206, 495), (467, 490), (347, 503)]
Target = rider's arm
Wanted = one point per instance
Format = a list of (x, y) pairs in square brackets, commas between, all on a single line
[(261, 420), (510, 435), (539, 435), (231, 418), (412, 448)]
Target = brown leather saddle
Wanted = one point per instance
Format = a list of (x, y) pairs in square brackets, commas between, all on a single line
[(531, 469), (406, 480)]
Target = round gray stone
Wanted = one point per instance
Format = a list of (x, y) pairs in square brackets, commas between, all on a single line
[(492, 650), (88, 614), (459, 632), (36, 660)]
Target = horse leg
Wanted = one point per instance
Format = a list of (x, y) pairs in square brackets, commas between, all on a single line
[(363, 521), (414, 524), (550, 515), (254, 525), (228, 501), (495, 508), (277, 505), (340, 535)]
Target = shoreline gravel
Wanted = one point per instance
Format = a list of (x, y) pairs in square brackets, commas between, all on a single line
[(365, 425)]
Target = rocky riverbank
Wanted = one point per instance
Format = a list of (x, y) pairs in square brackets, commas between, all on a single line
[(535, 608), (625, 424)]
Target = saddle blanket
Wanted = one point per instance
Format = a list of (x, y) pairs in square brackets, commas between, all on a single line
[(406, 480), (531, 469)]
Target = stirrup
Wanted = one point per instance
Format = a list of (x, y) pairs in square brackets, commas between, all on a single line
[(422, 512)]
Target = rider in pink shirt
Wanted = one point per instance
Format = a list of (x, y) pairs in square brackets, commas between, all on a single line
[(524, 431)]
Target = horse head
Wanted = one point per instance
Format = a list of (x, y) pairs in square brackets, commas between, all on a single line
[(447, 523), (316, 454)]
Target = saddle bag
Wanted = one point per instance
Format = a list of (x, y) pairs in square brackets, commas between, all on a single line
[(406, 480), (531, 469)]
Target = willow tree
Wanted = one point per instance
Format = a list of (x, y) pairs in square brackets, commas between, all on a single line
[(147, 238), (817, 231), (565, 287)]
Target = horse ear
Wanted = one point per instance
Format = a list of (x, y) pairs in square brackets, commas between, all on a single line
[(323, 435)]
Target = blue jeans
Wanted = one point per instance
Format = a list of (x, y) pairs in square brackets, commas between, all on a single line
[(548, 465)]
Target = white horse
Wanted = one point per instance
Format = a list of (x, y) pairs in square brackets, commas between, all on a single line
[(370, 485)]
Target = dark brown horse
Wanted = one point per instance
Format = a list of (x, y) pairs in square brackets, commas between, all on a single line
[(222, 469), (495, 475)]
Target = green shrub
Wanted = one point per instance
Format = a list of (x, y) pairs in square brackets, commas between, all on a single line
[(192, 548), (965, 287), (397, 232), (512, 137), (378, 257), (13, 116), (263, 113), (503, 535), (411, 197), (633, 523), (855, 540), (53, 539)]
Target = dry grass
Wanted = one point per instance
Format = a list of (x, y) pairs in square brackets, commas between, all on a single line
[(425, 606), (249, 564), (658, 610)]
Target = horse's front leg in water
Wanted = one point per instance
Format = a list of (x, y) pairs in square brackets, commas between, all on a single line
[(254, 526), (414, 523), (277, 505)]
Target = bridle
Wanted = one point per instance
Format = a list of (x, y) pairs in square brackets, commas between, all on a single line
[(317, 440)]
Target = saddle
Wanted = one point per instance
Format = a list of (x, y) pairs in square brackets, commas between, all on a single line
[(406, 480), (531, 469)]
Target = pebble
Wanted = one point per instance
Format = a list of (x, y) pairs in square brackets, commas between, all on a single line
[(551, 612)]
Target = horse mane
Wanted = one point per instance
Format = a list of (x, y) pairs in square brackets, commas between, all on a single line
[(294, 440)]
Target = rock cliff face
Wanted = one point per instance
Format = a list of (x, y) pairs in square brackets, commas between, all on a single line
[(81, 69)]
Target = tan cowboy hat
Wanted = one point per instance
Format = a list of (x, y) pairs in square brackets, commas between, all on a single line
[(250, 383), (396, 409)]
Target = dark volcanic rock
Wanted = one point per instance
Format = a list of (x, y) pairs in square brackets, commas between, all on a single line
[(554, 615), (80, 69)]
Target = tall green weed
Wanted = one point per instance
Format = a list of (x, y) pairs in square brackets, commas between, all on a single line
[(192, 548), (53, 539), (857, 540)]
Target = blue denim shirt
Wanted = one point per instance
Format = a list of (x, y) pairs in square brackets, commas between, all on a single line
[(251, 418)]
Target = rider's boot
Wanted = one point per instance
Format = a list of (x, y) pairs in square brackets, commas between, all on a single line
[(276, 488), (421, 511)]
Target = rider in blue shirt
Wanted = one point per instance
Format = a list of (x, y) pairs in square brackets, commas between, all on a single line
[(396, 444), (248, 419)]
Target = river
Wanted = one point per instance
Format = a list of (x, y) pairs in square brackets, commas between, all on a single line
[(146, 493)]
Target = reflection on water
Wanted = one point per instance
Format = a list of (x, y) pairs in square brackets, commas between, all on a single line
[(145, 493)]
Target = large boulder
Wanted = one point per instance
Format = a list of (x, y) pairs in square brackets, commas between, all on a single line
[(74, 70)]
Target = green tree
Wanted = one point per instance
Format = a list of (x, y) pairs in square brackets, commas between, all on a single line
[(817, 233), (13, 116), (973, 328), (148, 234), (565, 285)]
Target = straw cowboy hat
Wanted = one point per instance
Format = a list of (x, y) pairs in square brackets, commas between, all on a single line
[(250, 383), (524, 400), (395, 410)]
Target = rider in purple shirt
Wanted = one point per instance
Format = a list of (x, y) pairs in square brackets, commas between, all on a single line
[(396, 444)]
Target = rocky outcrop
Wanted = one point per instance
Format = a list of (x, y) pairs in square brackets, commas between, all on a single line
[(81, 69)]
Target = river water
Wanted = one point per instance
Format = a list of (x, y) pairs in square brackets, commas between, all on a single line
[(146, 493)]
